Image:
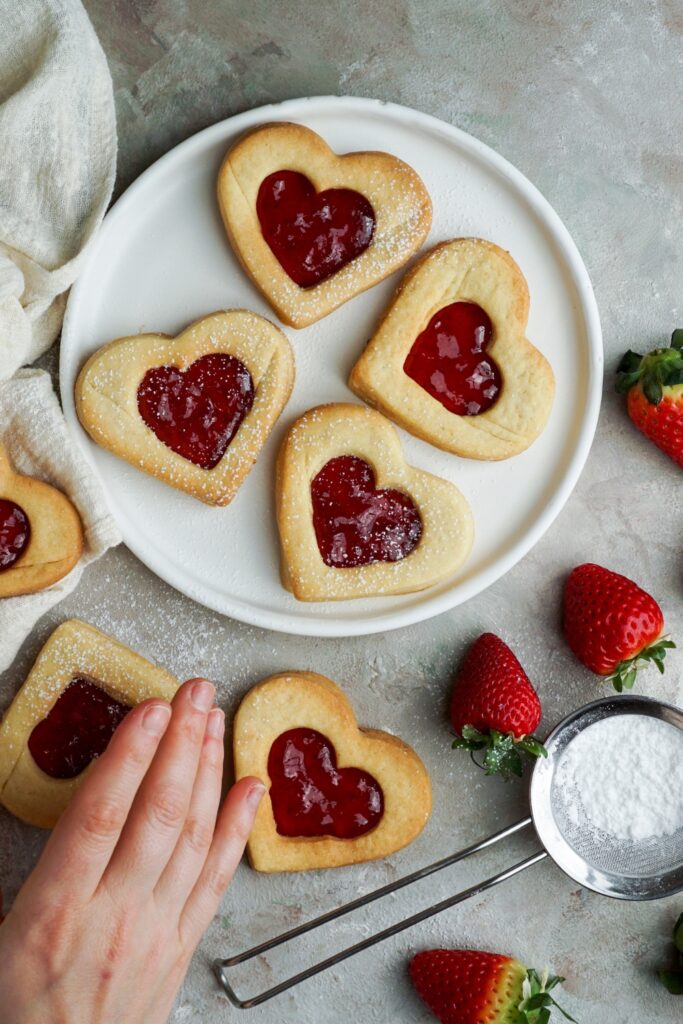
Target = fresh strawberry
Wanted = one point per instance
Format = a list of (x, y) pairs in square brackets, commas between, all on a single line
[(654, 383), (495, 708), (612, 625), (464, 986)]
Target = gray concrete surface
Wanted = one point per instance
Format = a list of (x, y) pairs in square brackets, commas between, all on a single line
[(585, 99)]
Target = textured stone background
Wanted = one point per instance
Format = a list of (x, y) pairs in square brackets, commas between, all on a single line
[(585, 99)]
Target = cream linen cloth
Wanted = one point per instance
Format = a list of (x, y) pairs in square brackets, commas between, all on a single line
[(57, 165), (34, 432)]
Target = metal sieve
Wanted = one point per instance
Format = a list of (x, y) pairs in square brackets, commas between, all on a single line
[(625, 869)]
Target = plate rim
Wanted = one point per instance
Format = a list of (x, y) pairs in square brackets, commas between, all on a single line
[(367, 624)]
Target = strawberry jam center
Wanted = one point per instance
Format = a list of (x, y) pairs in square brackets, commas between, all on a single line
[(197, 412), (76, 730), (354, 522), (448, 360), (15, 532), (310, 796), (312, 234)]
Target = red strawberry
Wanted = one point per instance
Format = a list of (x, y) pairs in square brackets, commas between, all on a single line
[(612, 625), (654, 383), (464, 986), (495, 708)]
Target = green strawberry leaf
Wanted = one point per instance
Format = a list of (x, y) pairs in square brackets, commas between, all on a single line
[(672, 981), (674, 377), (537, 1004), (564, 1012), (459, 744), (470, 733), (537, 1001), (624, 675), (652, 389), (530, 745), (502, 758), (630, 362), (663, 367), (678, 934), (504, 754)]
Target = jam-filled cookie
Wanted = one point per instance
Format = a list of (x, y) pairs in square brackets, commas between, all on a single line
[(41, 536), (80, 688), (337, 794), (194, 410), (450, 360), (311, 228), (354, 519)]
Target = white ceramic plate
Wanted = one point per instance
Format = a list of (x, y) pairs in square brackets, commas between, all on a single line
[(162, 259)]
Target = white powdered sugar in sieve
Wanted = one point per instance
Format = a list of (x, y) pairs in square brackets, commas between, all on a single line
[(624, 775)]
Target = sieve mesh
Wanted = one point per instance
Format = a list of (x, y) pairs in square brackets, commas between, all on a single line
[(632, 859)]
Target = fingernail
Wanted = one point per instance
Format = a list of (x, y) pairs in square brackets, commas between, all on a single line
[(156, 718), (215, 724), (202, 695), (255, 794)]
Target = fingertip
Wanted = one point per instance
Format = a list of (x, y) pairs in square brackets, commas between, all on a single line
[(215, 724), (155, 718), (254, 791), (200, 692)]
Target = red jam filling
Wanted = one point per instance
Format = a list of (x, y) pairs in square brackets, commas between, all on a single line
[(448, 360), (354, 522), (312, 234), (310, 796), (15, 532), (76, 730), (198, 411)]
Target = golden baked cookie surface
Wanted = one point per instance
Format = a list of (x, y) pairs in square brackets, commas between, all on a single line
[(107, 397), (56, 533), (74, 650), (473, 271), (398, 197), (330, 431), (294, 700)]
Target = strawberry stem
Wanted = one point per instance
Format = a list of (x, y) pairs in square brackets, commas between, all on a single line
[(537, 1004), (660, 368), (504, 753), (624, 675)]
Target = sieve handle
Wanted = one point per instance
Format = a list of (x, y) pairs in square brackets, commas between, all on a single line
[(221, 966)]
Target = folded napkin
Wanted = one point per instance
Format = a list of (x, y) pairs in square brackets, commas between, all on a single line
[(57, 165), (34, 432)]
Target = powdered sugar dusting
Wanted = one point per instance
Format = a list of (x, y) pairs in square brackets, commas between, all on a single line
[(624, 774)]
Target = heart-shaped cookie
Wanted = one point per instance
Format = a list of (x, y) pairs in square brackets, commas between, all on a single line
[(81, 686), (354, 519), (41, 537), (450, 360), (311, 228), (194, 410), (337, 794)]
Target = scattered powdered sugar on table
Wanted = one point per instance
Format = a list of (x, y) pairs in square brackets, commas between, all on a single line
[(625, 775)]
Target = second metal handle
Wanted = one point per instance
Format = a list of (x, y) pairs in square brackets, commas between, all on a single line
[(221, 966)]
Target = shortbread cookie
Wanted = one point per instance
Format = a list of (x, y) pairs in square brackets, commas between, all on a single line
[(337, 794), (450, 361), (80, 688), (41, 537), (194, 410), (313, 229), (355, 520)]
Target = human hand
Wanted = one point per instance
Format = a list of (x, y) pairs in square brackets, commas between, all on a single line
[(104, 928)]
